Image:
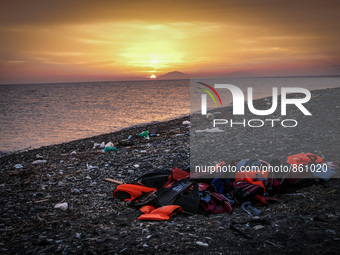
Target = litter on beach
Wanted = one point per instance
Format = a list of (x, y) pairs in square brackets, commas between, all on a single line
[(166, 193)]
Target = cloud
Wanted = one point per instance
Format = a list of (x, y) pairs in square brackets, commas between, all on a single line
[(146, 36)]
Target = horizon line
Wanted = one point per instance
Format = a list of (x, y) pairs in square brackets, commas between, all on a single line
[(156, 79)]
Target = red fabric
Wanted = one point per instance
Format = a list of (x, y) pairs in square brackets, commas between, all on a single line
[(265, 200), (157, 217), (131, 190), (217, 204), (147, 209), (176, 175), (161, 213), (261, 200), (248, 176), (253, 176), (304, 158)]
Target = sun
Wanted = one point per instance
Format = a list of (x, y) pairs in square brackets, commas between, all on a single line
[(153, 76)]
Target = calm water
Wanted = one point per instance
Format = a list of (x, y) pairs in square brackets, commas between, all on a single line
[(43, 114)]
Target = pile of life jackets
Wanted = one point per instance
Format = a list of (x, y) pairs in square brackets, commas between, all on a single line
[(161, 194)]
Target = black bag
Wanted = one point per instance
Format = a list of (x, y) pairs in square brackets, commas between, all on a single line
[(155, 179), (183, 193)]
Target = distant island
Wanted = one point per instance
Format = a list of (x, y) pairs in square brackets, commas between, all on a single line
[(175, 75)]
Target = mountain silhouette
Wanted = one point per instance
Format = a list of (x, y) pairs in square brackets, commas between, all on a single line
[(175, 75)]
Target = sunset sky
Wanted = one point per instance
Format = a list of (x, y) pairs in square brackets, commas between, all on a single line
[(60, 41)]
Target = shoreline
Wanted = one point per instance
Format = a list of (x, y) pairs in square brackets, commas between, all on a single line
[(7, 153), (139, 126)]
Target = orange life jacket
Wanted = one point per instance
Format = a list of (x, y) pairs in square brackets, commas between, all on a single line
[(304, 158), (252, 177), (161, 213), (129, 192), (147, 209)]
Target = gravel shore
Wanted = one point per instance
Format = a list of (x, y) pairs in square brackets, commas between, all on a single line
[(95, 223)]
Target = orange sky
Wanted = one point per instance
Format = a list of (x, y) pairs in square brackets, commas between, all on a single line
[(58, 41)]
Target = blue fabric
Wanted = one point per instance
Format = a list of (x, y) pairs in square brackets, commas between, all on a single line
[(205, 196), (220, 184)]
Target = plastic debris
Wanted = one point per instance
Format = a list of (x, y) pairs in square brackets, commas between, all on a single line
[(109, 144), (102, 145), (62, 206), (144, 134), (186, 122), (96, 145), (106, 149), (18, 166)]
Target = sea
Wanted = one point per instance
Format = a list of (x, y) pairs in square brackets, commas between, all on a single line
[(35, 115)]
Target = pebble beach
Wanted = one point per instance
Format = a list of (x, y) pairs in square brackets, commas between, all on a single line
[(93, 222)]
